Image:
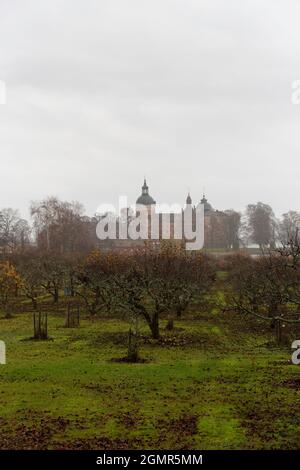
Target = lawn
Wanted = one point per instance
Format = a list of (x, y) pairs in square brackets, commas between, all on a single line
[(215, 382)]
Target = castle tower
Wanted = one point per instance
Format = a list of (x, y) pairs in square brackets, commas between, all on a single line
[(145, 199), (206, 204)]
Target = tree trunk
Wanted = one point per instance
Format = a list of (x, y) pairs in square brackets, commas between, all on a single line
[(133, 352), (170, 325), (55, 295), (154, 326), (278, 331), (273, 309), (179, 311)]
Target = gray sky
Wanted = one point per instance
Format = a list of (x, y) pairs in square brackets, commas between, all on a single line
[(190, 93)]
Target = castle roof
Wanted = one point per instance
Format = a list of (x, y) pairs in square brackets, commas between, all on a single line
[(207, 206), (145, 199)]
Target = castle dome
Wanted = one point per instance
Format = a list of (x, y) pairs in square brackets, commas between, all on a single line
[(145, 199), (207, 205)]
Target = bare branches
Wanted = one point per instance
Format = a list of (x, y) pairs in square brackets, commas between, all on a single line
[(267, 287)]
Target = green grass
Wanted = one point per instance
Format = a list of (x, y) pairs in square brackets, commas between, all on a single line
[(216, 382)]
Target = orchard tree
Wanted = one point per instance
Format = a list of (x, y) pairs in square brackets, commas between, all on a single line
[(72, 261), (10, 282), (28, 264), (259, 286), (52, 271), (267, 287), (161, 280), (95, 280), (189, 276)]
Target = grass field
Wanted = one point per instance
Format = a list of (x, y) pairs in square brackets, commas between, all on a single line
[(215, 382)]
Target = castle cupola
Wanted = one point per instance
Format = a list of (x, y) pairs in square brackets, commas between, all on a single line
[(207, 205), (145, 199)]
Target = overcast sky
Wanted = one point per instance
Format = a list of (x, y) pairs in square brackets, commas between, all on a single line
[(191, 93)]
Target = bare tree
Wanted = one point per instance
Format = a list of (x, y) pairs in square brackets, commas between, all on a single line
[(267, 287), (288, 227), (14, 231), (60, 226), (261, 224), (94, 281), (28, 264), (52, 273), (232, 224), (162, 280)]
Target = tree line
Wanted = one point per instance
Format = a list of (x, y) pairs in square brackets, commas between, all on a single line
[(63, 227)]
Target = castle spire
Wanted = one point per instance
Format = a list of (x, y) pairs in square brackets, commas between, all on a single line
[(145, 187), (145, 197), (188, 199)]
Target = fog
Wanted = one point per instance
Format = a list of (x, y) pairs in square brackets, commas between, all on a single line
[(194, 95)]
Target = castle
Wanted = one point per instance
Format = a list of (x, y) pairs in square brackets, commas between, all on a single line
[(219, 230)]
